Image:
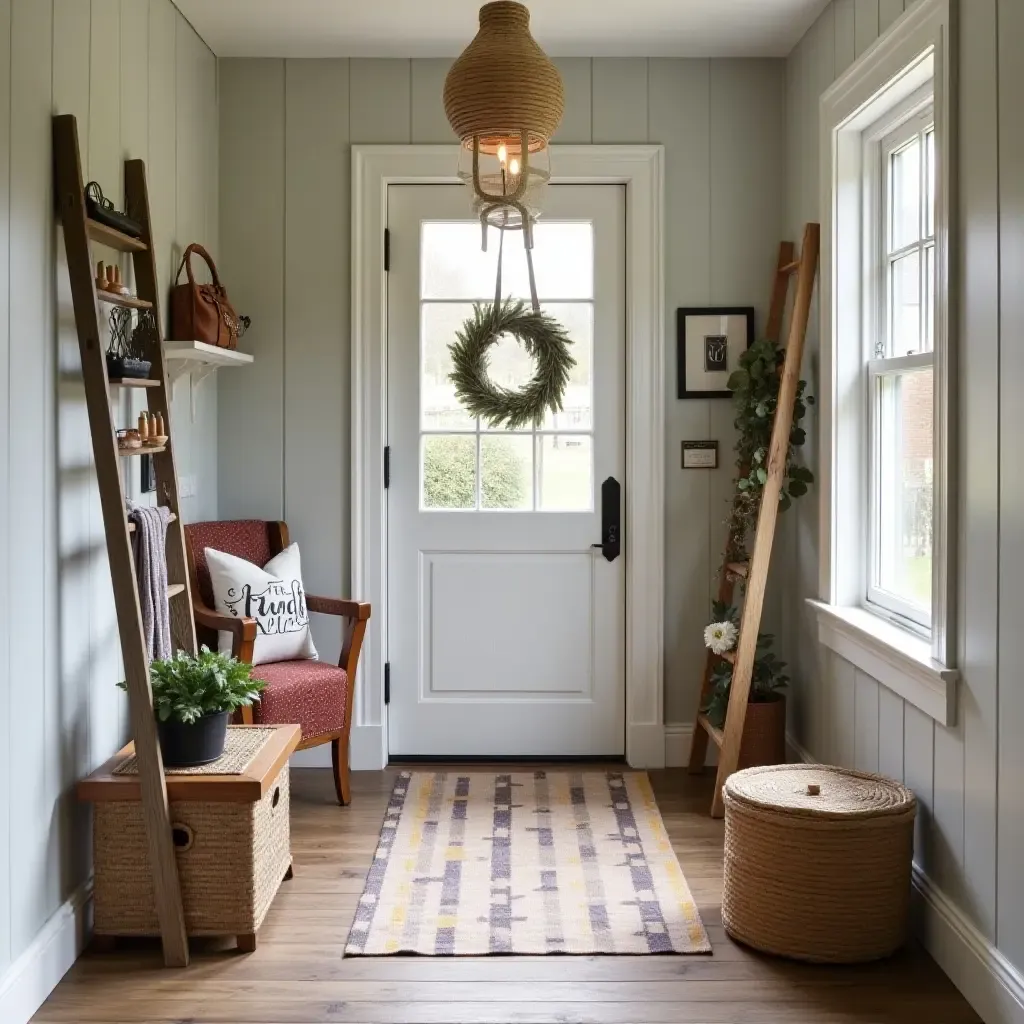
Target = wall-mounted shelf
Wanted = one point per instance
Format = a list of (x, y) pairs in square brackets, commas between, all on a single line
[(128, 301), (198, 360)]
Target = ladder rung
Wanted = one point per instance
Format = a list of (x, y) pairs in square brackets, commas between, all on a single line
[(789, 268), (717, 735), (738, 568), (175, 588), (112, 238), (131, 526), (128, 301), (134, 382), (127, 453)]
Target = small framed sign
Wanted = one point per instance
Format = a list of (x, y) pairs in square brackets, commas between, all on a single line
[(700, 455), (709, 343)]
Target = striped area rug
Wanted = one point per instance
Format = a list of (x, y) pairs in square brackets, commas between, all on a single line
[(529, 862)]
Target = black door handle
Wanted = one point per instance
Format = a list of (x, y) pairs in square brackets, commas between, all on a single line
[(611, 532)]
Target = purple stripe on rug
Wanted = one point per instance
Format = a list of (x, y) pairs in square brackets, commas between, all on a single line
[(367, 906)]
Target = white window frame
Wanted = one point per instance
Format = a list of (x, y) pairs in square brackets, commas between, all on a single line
[(903, 123), (892, 80)]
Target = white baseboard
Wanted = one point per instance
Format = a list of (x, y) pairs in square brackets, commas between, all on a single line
[(678, 736), (368, 751), (645, 745), (988, 981), (35, 974), (312, 757)]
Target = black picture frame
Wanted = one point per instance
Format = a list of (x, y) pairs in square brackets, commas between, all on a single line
[(716, 357)]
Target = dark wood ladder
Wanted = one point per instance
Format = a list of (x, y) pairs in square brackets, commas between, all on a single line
[(78, 230), (755, 572)]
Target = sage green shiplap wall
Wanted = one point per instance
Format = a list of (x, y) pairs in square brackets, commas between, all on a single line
[(970, 836), (286, 131), (141, 84)]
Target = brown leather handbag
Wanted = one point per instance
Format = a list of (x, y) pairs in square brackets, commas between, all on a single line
[(202, 312)]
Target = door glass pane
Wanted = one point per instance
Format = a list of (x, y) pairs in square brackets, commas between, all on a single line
[(577, 405), (506, 470), (454, 267), (906, 195), (439, 408), (565, 472), (452, 263), (905, 289), (905, 462), (449, 471)]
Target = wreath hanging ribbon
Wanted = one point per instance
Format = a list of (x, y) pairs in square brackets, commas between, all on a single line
[(544, 339)]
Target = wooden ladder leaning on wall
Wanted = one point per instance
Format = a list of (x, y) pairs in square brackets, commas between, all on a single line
[(755, 572), (78, 230)]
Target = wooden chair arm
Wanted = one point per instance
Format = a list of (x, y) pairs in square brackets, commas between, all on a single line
[(242, 630), (360, 611)]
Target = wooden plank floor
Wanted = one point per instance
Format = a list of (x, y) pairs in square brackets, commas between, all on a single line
[(297, 974)]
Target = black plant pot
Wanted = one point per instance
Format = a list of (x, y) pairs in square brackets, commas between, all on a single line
[(188, 744)]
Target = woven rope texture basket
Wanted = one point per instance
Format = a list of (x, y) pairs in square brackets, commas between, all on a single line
[(503, 83), (817, 862), (231, 860)]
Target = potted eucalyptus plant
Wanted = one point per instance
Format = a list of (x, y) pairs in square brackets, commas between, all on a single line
[(194, 696)]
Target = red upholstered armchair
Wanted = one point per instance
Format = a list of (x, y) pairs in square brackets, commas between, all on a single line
[(313, 694)]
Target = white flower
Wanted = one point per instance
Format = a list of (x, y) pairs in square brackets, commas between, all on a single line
[(720, 637)]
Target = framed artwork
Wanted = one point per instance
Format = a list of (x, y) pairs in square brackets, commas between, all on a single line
[(709, 343)]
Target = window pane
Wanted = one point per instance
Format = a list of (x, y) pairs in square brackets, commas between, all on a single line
[(566, 474), (905, 464), (930, 198), (906, 195), (929, 299), (905, 297), (449, 471), (454, 267), (506, 468), (439, 408)]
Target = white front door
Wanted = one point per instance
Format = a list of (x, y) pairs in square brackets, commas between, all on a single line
[(506, 628)]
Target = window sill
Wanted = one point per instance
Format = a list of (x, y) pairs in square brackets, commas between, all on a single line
[(899, 660)]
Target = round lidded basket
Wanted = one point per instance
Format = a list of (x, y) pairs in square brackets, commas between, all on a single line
[(817, 862)]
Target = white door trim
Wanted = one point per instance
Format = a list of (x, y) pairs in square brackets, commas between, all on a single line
[(641, 170)]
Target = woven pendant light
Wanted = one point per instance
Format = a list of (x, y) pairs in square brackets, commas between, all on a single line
[(503, 97)]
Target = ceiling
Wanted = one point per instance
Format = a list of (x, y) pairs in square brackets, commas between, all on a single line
[(441, 28)]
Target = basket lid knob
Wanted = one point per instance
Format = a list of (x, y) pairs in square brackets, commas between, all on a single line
[(813, 789)]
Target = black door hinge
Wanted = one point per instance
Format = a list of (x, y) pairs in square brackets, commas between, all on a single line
[(387, 682), (387, 466), (387, 249)]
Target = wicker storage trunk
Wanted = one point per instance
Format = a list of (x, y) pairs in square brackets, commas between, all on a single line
[(231, 860), (230, 823), (817, 862)]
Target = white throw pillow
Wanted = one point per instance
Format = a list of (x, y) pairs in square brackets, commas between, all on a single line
[(273, 596)]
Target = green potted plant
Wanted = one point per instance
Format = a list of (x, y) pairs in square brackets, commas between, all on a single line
[(194, 696), (764, 728)]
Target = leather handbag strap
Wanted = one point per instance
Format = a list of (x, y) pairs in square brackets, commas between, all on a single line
[(186, 263)]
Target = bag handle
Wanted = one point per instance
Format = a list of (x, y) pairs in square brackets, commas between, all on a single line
[(195, 247)]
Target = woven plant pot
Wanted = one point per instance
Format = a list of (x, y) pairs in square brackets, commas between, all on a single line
[(764, 732), (817, 862)]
